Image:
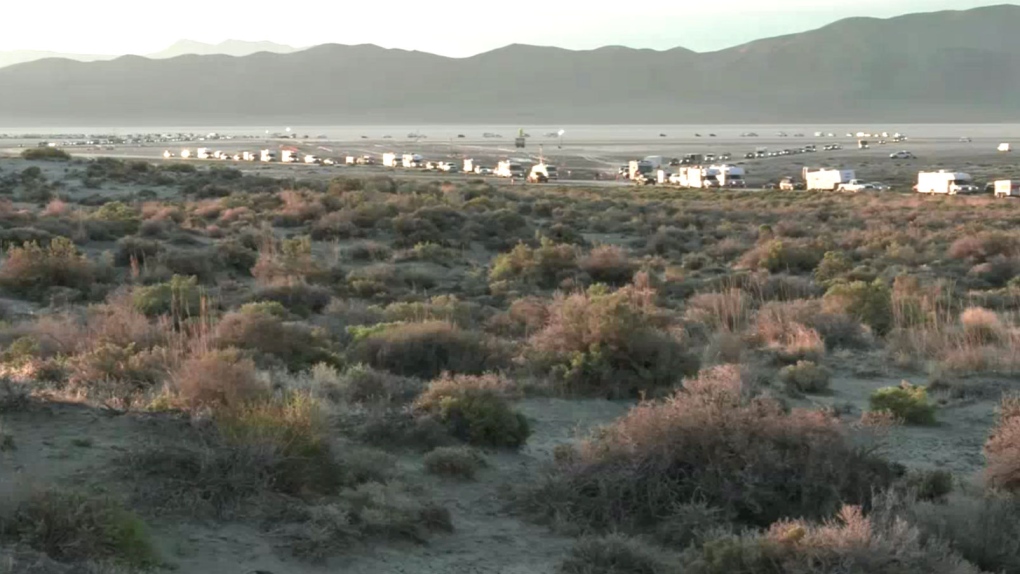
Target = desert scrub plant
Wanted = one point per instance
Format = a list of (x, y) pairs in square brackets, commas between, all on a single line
[(779, 255), (805, 377), (543, 267), (608, 264), (73, 527), (907, 402), (869, 303), (217, 378), (617, 343), (259, 327), (45, 153), (983, 527), (714, 442), (292, 427), (30, 270), (475, 410), (388, 511), (1002, 449), (982, 326), (298, 297), (454, 461), (617, 554), (424, 349), (180, 297), (852, 542), (834, 265)]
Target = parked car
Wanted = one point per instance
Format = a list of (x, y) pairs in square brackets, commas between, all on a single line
[(877, 186), (903, 154)]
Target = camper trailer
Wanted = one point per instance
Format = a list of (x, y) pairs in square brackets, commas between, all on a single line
[(729, 175), (185, 153), (469, 165), (826, 179), (542, 173), (267, 155), (288, 156), (203, 153), (1007, 188), (389, 160)]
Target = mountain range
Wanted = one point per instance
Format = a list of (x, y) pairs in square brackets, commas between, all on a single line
[(235, 48), (952, 66)]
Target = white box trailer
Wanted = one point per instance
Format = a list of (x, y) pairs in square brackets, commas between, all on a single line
[(389, 160), (267, 155), (203, 153), (696, 177), (945, 182), (411, 160), (1005, 147), (469, 165), (185, 153), (288, 156), (509, 168), (729, 175), (827, 179), (1007, 188), (310, 158)]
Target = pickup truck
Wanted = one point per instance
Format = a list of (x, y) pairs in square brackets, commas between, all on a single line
[(853, 186)]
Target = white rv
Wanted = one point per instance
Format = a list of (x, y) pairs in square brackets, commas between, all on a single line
[(696, 177), (185, 153), (267, 155), (203, 153), (945, 182), (543, 172), (827, 179), (309, 158), (1005, 147), (469, 165), (288, 156), (1007, 188), (389, 160)]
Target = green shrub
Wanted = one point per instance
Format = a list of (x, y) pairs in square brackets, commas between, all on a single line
[(833, 266), (805, 377), (984, 528), (180, 297), (610, 343), (907, 402), (869, 303), (299, 298), (45, 153), (475, 411), (930, 484), (424, 349), (30, 269), (141, 250), (455, 461), (72, 527), (543, 267), (778, 255), (617, 554)]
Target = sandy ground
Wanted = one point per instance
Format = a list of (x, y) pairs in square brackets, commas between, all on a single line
[(52, 449)]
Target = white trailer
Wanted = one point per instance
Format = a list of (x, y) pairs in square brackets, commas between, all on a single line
[(203, 153), (827, 179), (267, 155), (248, 156), (509, 168), (729, 175), (469, 165), (185, 153), (1005, 147), (288, 156), (945, 182), (168, 154), (1007, 188), (389, 160), (412, 160), (543, 171), (696, 177)]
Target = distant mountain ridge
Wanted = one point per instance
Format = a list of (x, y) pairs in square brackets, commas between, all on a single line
[(952, 66), (235, 48)]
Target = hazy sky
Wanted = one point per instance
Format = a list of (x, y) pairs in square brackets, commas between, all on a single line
[(448, 27)]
